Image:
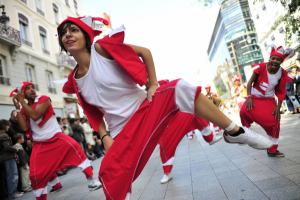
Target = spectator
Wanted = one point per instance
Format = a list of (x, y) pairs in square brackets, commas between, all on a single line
[(68, 129), (23, 163), (296, 73), (59, 121), (89, 152), (88, 132), (78, 134), (28, 147), (14, 127), (99, 150), (290, 92), (7, 156)]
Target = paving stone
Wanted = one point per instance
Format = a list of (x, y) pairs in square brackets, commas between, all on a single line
[(286, 193), (229, 174), (181, 197), (249, 196), (294, 178), (286, 170), (273, 183), (199, 187), (213, 194), (173, 192), (262, 175)]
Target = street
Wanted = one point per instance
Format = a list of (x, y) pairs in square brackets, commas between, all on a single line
[(221, 171)]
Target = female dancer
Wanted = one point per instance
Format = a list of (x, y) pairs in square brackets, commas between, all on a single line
[(105, 83)]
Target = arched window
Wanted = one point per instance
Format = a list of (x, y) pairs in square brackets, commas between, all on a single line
[(23, 24), (43, 39)]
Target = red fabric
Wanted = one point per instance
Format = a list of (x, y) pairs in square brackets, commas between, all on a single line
[(261, 113), (49, 112), (240, 104), (162, 82), (212, 94), (49, 156), (134, 145), (273, 149), (178, 127), (126, 57), (42, 197), (280, 89), (25, 84), (91, 32), (208, 138), (280, 52), (236, 78)]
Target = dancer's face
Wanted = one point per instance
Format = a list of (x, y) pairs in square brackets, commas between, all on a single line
[(207, 91), (29, 92), (275, 62), (72, 38), (237, 83)]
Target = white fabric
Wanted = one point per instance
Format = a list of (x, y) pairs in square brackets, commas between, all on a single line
[(86, 163), (206, 131), (169, 162), (274, 140), (54, 182), (118, 30), (111, 89), (88, 132), (185, 96), (47, 131), (269, 88), (39, 192)]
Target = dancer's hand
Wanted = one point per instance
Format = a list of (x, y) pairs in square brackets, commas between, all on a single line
[(16, 103), (20, 96), (276, 112), (151, 92), (250, 104), (107, 142)]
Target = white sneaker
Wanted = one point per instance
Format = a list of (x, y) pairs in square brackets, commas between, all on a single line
[(215, 140), (166, 178), (251, 138), (220, 132), (94, 185)]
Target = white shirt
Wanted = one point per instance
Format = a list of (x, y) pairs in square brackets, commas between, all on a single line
[(47, 131), (110, 88), (273, 81)]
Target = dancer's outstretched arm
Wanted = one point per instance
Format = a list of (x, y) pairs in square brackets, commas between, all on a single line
[(107, 141), (207, 110)]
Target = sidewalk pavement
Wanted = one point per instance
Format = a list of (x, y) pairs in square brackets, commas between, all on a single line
[(221, 171)]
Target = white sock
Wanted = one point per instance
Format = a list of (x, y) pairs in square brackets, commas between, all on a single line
[(230, 127)]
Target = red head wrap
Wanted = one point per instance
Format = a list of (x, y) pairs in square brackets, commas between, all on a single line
[(88, 24), (282, 53), (21, 88), (236, 78), (207, 87)]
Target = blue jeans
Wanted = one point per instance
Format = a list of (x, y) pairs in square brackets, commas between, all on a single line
[(12, 177)]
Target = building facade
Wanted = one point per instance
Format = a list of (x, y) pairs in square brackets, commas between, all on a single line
[(234, 27), (29, 51), (267, 17)]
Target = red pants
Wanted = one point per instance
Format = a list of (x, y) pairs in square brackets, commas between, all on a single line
[(179, 126), (134, 145), (49, 156), (261, 113)]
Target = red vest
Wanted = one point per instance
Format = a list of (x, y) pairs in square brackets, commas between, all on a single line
[(162, 82), (126, 57), (49, 112), (262, 81)]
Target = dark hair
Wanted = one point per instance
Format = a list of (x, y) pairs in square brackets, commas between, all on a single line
[(12, 112), (18, 136), (3, 123), (67, 25), (72, 120), (58, 119)]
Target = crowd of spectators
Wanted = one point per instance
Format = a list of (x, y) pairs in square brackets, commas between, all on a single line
[(15, 151), (292, 97)]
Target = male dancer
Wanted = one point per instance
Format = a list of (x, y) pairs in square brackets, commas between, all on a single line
[(213, 97), (52, 150), (260, 107)]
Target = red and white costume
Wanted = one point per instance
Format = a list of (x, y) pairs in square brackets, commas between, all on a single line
[(216, 128), (140, 130), (179, 126), (262, 93), (52, 150), (240, 100)]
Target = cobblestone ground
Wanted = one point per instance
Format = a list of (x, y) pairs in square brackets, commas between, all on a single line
[(221, 171)]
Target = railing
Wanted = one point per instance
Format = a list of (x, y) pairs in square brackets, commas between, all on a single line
[(12, 34), (46, 51), (4, 81), (26, 42), (40, 12), (67, 3), (64, 59), (51, 90)]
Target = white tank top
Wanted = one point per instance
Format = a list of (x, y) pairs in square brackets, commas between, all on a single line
[(47, 131), (273, 81), (110, 88)]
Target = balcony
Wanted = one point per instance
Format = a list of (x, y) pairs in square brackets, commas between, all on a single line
[(40, 12), (63, 59), (46, 51), (26, 42), (11, 38), (51, 90), (4, 81)]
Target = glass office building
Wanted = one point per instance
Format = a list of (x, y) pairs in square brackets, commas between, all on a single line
[(235, 26)]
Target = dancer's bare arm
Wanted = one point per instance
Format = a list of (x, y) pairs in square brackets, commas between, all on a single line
[(276, 111), (107, 141), (250, 104), (36, 113)]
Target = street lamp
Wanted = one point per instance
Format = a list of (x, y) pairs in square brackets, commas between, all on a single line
[(4, 20)]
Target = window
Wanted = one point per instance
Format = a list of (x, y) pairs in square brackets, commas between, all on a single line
[(257, 16), (75, 5), (49, 78), (29, 73), (55, 13), (1, 68), (23, 25), (67, 3), (272, 37), (281, 30), (23, 30), (39, 7), (265, 44), (43, 36), (264, 7)]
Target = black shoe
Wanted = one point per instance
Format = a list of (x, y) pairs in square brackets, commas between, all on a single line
[(276, 154), (54, 191), (61, 174)]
